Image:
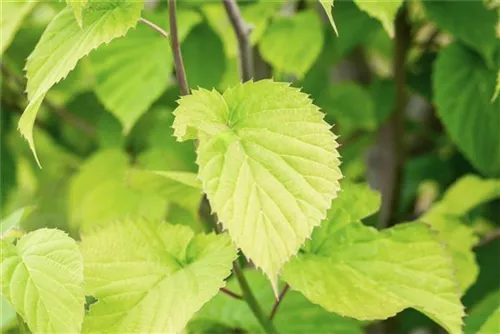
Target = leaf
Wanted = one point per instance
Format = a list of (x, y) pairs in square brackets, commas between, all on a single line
[(63, 43), (363, 269), (463, 87), (13, 14), (337, 102), (153, 277), (292, 44), (479, 314), (469, 21), (78, 6), (268, 163), (492, 324), (384, 11), (133, 72), (295, 315), (182, 188), (99, 193), (8, 317), (13, 221), (42, 278), (202, 44), (328, 7), (446, 218)]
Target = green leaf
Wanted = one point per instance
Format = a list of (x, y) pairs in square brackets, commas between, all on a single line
[(7, 316), (384, 11), (446, 217), (202, 44), (133, 72), (182, 188), (469, 21), (99, 193), (12, 16), (153, 277), (492, 325), (328, 7), (481, 312), (78, 6), (295, 315), (364, 269), (292, 44), (268, 163), (13, 221), (63, 43), (337, 103), (42, 278), (463, 87)]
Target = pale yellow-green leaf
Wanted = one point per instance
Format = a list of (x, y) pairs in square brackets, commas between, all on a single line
[(11, 17), (63, 43), (446, 218), (268, 163), (100, 194), (328, 6), (42, 278), (292, 44), (134, 71), (182, 188), (384, 11), (152, 277), (78, 6), (368, 275)]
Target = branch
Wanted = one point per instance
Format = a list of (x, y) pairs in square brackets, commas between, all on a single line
[(242, 31), (391, 135), (230, 293), (488, 238), (62, 112), (251, 301), (180, 72), (154, 26), (278, 301)]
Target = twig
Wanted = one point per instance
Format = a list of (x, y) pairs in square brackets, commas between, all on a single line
[(278, 301), (488, 238), (154, 26), (63, 113), (180, 72), (390, 136), (251, 301), (242, 31), (230, 293)]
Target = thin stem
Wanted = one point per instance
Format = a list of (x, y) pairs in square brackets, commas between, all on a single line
[(251, 301), (390, 136), (176, 49), (154, 26), (278, 301), (230, 293), (61, 112), (242, 31), (488, 238)]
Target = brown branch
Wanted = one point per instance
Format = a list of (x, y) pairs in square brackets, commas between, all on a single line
[(180, 72), (154, 27), (232, 294), (242, 31), (488, 238), (61, 112), (278, 301), (391, 134)]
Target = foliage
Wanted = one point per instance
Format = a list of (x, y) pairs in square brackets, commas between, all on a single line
[(253, 166)]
